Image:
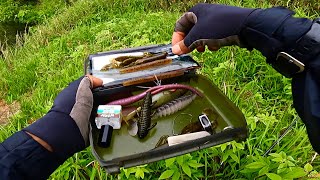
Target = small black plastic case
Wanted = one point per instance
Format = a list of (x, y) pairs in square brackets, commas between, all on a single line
[(127, 151)]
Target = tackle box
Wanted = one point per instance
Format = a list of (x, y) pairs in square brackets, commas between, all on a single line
[(128, 151)]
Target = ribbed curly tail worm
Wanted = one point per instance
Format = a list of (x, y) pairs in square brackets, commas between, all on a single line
[(154, 90)]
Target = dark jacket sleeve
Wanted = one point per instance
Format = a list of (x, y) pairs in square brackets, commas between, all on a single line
[(21, 157)]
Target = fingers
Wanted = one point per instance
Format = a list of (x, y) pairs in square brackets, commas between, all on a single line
[(182, 28), (186, 22), (177, 37), (95, 82), (180, 48)]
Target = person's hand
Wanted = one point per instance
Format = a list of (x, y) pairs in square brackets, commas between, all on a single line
[(65, 128), (272, 31), (209, 25)]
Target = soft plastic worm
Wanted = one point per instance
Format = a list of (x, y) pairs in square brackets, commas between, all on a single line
[(144, 120), (152, 58), (144, 66), (154, 90), (174, 106)]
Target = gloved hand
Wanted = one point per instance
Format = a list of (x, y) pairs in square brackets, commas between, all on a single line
[(64, 129), (208, 24), (267, 30), (270, 31)]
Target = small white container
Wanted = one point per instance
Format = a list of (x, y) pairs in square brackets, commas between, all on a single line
[(109, 115)]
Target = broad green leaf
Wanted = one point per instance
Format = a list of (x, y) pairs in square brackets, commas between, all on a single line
[(180, 160), (139, 173), (170, 161), (195, 164), (253, 125), (223, 146), (255, 165), (283, 155), (273, 176), (239, 145), (187, 156), (276, 155), (248, 171), (145, 170), (296, 172), (166, 174), (291, 158), (235, 158), (308, 167), (186, 169), (282, 166), (126, 172), (277, 159), (192, 161), (174, 167), (226, 155), (132, 170), (176, 175), (291, 164), (283, 170), (264, 170)]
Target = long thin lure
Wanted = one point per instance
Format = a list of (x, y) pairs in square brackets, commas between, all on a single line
[(152, 58), (144, 66), (154, 90)]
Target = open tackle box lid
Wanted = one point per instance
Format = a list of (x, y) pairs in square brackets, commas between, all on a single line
[(128, 151), (114, 80)]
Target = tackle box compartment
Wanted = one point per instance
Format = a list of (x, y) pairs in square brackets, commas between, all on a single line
[(128, 151)]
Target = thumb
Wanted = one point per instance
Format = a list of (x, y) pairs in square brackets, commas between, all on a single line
[(95, 82), (180, 48)]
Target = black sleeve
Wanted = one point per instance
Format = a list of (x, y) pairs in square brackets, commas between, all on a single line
[(21, 157), (273, 30)]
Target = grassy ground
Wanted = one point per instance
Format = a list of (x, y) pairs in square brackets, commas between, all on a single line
[(51, 55)]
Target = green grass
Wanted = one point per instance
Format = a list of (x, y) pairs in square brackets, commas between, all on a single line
[(52, 54)]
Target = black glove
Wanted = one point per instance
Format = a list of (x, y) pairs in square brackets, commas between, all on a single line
[(208, 24), (66, 126), (270, 31)]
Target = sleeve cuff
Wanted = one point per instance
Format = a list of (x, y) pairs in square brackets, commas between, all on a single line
[(60, 131)]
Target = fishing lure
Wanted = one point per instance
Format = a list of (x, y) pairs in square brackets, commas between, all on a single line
[(130, 114), (144, 119), (154, 90), (213, 116), (152, 58), (192, 127), (162, 141), (117, 62), (122, 61), (144, 66), (174, 106), (196, 126)]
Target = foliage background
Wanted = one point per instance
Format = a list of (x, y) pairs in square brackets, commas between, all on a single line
[(57, 36)]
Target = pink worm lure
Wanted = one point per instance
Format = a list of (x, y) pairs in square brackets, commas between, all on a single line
[(154, 90)]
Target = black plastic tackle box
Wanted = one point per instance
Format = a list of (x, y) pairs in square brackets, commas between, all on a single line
[(209, 120)]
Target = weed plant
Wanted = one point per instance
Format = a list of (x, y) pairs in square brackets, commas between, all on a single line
[(51, 55)]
